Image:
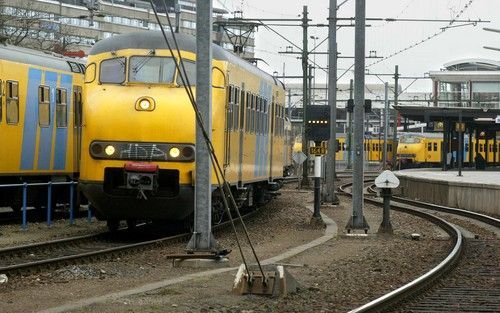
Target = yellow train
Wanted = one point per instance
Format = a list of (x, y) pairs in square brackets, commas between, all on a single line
[(425, 149), (139, 123), (373, 147), (39, 121)]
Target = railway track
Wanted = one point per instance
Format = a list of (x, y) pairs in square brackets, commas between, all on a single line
[(33, 257), (465, 281)]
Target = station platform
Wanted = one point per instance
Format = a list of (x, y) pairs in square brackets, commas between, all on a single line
[(477, 191)]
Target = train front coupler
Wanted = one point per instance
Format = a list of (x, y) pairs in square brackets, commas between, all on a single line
[(141, 177)]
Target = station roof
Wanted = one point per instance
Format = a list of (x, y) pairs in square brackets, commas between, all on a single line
[(473, 64), (423, 114), (461, 76)]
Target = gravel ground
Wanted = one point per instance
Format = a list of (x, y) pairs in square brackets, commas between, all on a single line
[(337, 276), (12, 235)]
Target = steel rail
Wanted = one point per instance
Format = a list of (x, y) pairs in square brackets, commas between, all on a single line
[(445, 209), (416, 285), (61, 259)]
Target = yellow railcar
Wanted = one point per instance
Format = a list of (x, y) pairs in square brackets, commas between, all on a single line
[(425, 149), (39, 122), (373, 147), (137, 116)]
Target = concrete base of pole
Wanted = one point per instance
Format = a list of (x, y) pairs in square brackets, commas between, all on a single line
[(352, 225), (277, 282), (385, 229), (317, 222)]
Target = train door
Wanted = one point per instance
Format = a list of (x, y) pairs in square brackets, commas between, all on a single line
[(77, 127)]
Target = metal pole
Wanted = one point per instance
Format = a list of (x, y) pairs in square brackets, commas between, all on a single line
[(332, 102), (395, 126), (349, 129), (177, 10), (386, 124), (460, 144), (317, 188), (357, 221), (25, 203), (202, 238), (305, 98), (49, 203), (71, 205), (386, 226)]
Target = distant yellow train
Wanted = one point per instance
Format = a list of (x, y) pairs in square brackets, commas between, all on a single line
[(139, 129), (40, 107), (373, 147), (416, 149)]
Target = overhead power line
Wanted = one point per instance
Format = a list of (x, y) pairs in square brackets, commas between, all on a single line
[(441, 30)]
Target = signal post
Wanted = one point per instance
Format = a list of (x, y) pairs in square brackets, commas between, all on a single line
[(318, 130)]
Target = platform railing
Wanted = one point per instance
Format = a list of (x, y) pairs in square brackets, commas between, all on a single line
[(71, 184)]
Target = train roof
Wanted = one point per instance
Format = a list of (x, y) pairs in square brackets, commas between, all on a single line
[(151, 40), (29, 56)]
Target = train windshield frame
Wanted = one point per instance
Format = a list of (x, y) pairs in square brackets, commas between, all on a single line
[(151, 69), (410, 139)]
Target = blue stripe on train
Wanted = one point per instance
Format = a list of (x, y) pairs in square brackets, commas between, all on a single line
[(30, 119), (45, 143), (62, 133)]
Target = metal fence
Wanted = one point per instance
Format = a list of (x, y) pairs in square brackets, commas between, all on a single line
[(49, 185)]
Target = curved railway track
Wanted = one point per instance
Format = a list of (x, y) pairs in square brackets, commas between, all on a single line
[(465, 281), (33, 257)]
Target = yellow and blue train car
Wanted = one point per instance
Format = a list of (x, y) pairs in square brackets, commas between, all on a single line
[(425, 149), (373, 148), (39, 121), (138, 137)]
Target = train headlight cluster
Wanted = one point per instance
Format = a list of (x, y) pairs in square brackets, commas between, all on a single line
[(144, 104), (142, 151)]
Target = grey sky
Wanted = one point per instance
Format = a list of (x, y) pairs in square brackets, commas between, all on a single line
[(385, 38)]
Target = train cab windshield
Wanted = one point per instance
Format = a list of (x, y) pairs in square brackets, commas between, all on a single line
[(409, 139), (151, 70), (144, 69)]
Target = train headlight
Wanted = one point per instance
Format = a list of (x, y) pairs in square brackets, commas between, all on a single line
[(174, 152), (96, 149), (109, 150), (145, 104)]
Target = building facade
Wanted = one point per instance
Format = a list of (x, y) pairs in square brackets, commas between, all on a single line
[(75, 25)]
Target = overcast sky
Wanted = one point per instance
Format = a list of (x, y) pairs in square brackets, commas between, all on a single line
[(385, 38)]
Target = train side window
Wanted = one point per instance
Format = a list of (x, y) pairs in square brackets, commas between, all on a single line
[(247, 114), (236, 110), (389, 147), (466, 147), (12, 104), (435, 146), (480, 147), (229, 108), (44, 106), (242, 109), (429, 146), (61, 108)]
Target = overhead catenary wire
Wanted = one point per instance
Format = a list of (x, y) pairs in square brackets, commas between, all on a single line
[(417, 43), (222, 183)]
